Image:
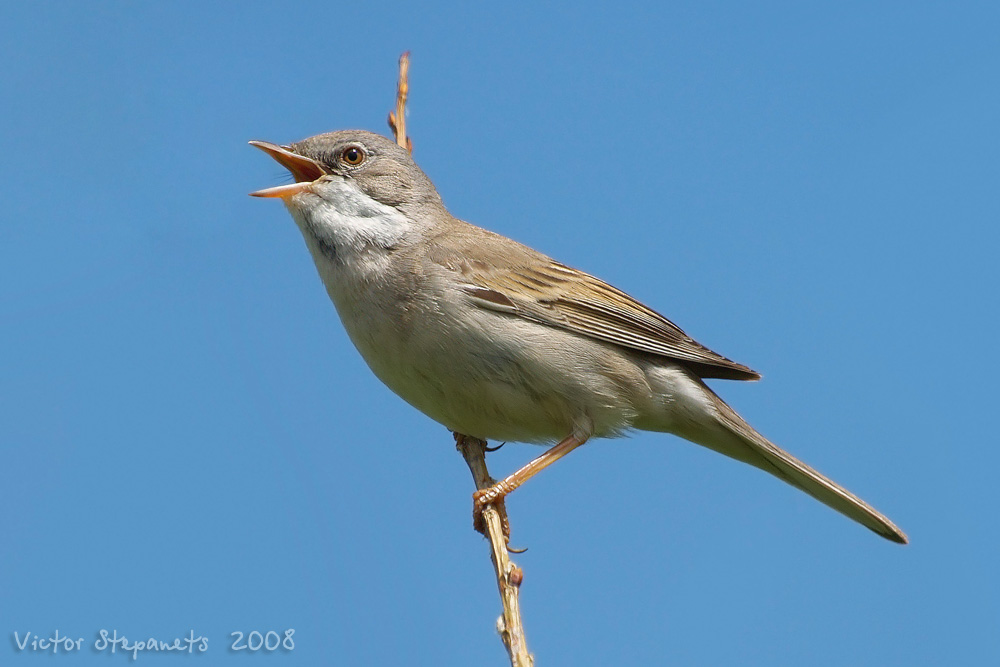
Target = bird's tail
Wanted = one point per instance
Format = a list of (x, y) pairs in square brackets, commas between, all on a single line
[(737, 439)]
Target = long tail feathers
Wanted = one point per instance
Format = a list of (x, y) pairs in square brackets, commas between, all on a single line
[(742, 442)]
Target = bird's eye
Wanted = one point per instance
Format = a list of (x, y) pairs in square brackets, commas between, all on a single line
[(353, 156)]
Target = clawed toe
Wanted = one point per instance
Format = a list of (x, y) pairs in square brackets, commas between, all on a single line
[(491, 496)]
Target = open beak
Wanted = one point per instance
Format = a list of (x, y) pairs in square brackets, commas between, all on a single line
[(305, 171)]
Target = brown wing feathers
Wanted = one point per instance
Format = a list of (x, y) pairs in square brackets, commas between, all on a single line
[(545, 291)]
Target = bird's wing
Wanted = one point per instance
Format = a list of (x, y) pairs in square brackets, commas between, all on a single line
[(537, 288)]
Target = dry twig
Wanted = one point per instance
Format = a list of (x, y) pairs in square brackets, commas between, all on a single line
[(397, 118), (509, 576), (494, 517)]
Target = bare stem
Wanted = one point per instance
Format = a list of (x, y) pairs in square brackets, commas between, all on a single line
[(494, 517), (508, 575), (397, 118)]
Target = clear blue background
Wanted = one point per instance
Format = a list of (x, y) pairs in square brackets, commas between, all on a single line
[(189, 441)]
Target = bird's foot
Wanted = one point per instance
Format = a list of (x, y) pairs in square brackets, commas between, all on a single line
[(492, 496)]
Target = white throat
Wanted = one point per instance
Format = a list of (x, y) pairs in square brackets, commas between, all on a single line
[(342, 220)]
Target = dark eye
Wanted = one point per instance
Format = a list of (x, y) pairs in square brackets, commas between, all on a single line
[(353, 156)]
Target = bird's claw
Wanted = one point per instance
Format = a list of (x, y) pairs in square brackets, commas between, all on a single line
[(493, 496)]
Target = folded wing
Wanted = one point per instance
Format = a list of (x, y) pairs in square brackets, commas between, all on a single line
[(537, 288)]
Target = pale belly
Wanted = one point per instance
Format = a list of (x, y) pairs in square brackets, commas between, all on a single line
[(486, 395), (497, 377)]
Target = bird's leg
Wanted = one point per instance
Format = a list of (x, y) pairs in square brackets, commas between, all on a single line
[(496, 493)]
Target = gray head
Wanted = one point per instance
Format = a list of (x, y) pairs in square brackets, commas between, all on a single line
[(379, 168), (353, 188)]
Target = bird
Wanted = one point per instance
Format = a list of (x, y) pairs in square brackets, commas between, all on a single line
[(497, 341)]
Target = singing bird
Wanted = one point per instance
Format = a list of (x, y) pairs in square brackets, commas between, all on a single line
[(497, 341)]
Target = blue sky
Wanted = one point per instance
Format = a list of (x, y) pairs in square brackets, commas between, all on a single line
[(190, 443)]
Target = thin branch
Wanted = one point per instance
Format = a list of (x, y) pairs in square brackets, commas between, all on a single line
[(397, 119), (493, 520), (508, 575)]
